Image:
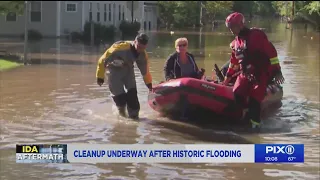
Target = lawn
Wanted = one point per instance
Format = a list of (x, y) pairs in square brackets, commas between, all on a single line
[(5, 64)]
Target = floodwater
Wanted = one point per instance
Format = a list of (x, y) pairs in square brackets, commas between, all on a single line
[(57, 101)]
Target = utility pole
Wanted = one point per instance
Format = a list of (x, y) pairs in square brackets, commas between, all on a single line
[(25, 50), (132, 11), (200, 13), (292, 10), (91, 33), (287, 9)]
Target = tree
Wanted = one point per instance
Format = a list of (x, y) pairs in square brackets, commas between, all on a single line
[(218, 8), (311, 13), (263, 8), (166, 10), (11, 6), (186, 13), (313, 7), (244, 7), (282, 7), (179, 13)]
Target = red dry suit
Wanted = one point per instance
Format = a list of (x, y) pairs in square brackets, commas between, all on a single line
[(261, 59)]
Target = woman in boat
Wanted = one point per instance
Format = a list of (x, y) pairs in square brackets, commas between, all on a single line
[(181, 63)]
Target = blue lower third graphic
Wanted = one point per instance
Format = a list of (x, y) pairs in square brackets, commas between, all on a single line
[(279, 153)]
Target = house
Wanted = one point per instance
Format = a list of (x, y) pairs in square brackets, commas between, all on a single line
[(59, 18)]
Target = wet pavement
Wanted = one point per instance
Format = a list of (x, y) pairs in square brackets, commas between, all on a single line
[(57, 100)]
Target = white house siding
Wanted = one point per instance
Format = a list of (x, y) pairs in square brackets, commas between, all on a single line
[(139, 13), (47, 26), (150, 17), (57, 21), (70, 21)]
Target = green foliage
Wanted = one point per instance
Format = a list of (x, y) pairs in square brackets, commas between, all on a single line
[(309, 12), (166, 9), (180, 13), (263, 8), (33, 35), (129, 29), (304, 11), (313, 7), (282, 8), (76, 36), (12, 6), (218, 8), (187, 13), (101, 33), (7, 64), (245, 7)]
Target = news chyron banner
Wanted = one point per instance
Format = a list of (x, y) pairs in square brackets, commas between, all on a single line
[(41, 153), (160, 153)]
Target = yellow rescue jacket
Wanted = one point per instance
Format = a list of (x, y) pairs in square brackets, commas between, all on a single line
[(125, 51)]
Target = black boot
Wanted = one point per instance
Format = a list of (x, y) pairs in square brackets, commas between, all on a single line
[(133, 105), (120, 102), (254, 113), (240, 103)]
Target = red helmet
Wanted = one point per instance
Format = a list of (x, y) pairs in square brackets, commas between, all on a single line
[(235, 19)]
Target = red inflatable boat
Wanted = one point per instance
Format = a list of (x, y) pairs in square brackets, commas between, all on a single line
[(199, 97)]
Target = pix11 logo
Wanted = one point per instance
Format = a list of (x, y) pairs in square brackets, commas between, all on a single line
[(279, 153), (289, 149)]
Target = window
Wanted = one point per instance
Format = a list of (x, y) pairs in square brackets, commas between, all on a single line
[(35, 11), (90, 11), (98, 12), (114, 12), (109, 12), (11, 17), (98, 16), (119, 13), (105, 13), (71, 7), (90, 16), (122, 12)]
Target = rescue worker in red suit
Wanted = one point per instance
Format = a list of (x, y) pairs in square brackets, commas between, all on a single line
[(257, 59)]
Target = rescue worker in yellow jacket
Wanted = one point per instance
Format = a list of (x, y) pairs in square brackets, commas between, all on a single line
[(119, 60)]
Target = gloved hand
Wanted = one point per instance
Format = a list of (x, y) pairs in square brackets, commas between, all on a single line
[(226, 81), (278, 77), (100, 81), (201, 72), (149, 86)]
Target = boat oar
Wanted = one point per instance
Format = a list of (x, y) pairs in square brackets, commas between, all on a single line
[(218, 73)]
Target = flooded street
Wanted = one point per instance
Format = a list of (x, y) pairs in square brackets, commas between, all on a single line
[(56, 102)]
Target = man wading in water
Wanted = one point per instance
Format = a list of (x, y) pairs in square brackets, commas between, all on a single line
[(119, 59)]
